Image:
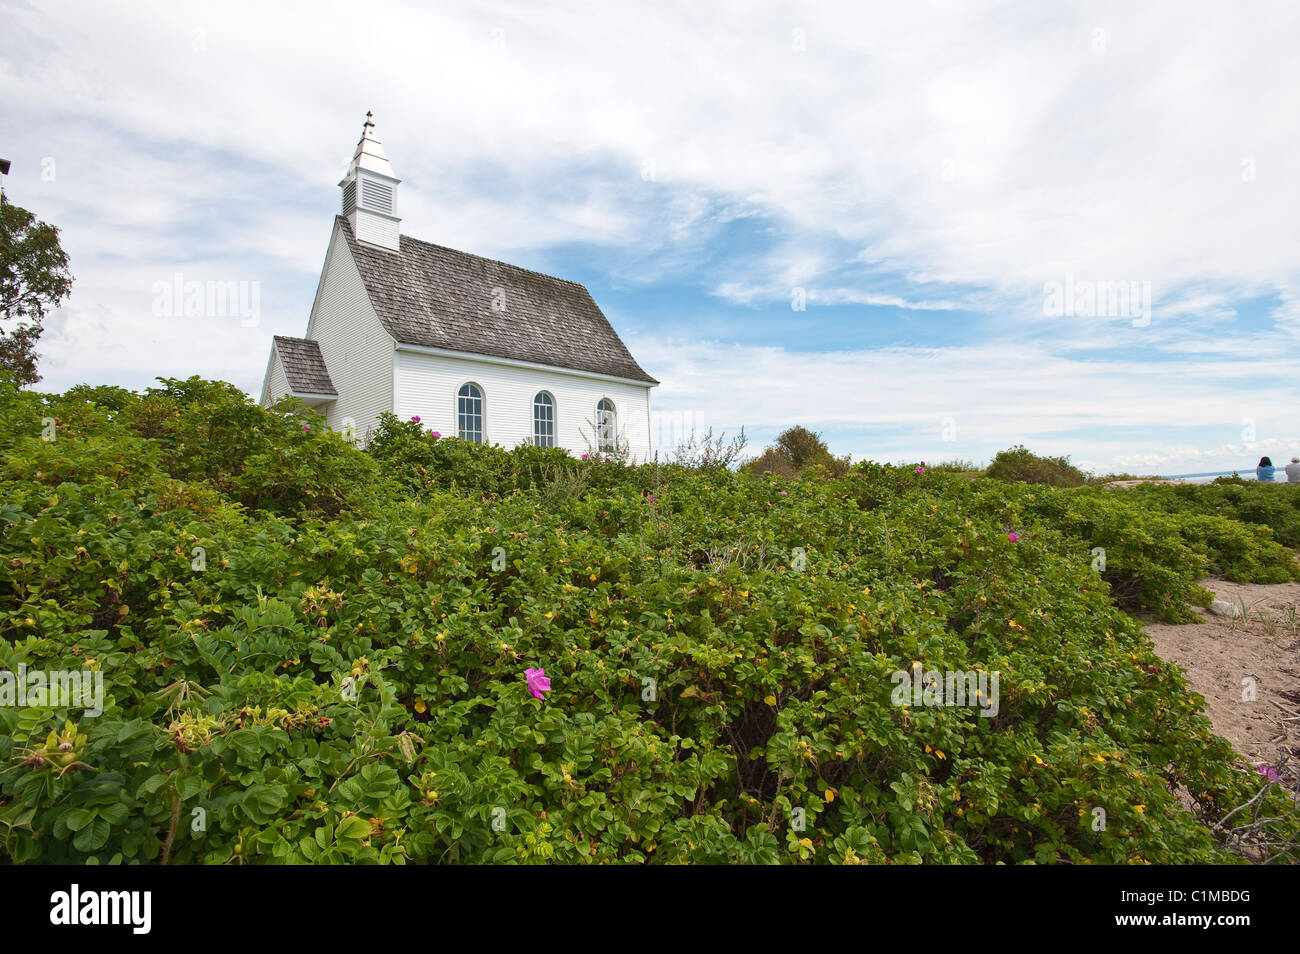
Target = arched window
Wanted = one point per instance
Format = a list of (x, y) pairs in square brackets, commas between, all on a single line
[(469, 413), (543, 420), (606, 427)]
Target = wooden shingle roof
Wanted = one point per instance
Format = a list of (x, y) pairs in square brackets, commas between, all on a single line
[(437, 297), (304, 366)]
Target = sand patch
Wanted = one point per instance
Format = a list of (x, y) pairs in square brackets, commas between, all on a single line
[(1127, 484), (1225, 658)]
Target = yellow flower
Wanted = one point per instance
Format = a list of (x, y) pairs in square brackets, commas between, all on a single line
[(1140, 809), (420, 705), (549, 615), (830, 794)]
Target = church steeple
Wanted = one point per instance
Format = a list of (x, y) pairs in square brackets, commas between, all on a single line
[(370, 192)]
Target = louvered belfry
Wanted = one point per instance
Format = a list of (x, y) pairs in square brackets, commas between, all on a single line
[(370, 192)]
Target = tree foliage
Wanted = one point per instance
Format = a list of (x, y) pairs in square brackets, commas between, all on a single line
[(1021, 464), (796, 450), (34, 278)]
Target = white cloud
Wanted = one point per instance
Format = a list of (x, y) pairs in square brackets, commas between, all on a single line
[(955, 155), (893, 403), (979, 142)]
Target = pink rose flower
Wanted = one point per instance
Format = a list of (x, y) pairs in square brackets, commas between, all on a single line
[(1013, 536), (306, 427), (1268, 772), (415, 419), (538, 683), (435, 434)]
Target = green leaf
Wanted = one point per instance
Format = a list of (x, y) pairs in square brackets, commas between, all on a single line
[(354, 827), (92, 837), (78, 818)]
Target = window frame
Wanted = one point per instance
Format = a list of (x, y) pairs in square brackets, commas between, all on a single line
[(481, 415), (606, 428), (553, 422)]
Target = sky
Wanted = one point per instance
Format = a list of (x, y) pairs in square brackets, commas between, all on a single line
[(928, 231)]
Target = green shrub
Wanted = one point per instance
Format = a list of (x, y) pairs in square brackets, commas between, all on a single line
[(1248, 501), (1240, 552), (422, 462), (773, 462), (797, 451), (1022, 465), (207, 433), (1144, 557), (339, 686)]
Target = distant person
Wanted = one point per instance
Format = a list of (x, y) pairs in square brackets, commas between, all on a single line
[(1293, 471), (1265, 470)]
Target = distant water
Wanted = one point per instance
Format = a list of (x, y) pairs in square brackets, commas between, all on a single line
[(1279, 476)]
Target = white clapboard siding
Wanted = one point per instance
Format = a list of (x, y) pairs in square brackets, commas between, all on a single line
[(357, 350), (277, 385), (376, 229), (427, 385)]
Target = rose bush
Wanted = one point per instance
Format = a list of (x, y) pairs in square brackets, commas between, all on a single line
[(344, 676)]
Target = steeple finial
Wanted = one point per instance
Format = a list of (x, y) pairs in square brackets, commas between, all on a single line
[(370, 191)]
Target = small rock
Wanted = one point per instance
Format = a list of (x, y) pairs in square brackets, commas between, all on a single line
[(1224, 608)]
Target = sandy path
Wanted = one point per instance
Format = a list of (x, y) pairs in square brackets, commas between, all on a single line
[(1263, 646), (1129, 484)]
